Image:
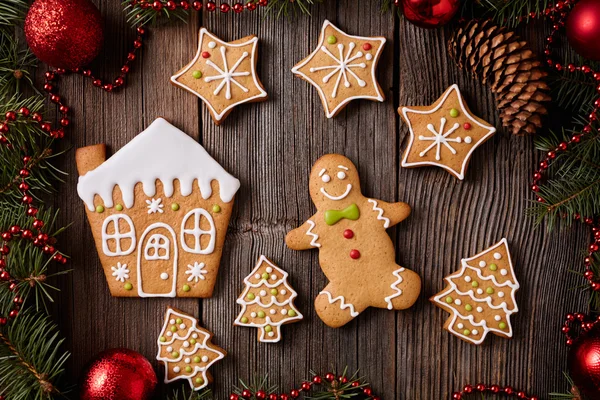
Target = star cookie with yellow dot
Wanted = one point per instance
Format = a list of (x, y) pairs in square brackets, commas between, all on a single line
[(222, 74), (342, 68), (444, 134)]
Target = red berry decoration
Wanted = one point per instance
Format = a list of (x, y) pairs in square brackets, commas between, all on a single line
[(429, 13), (583, 29), (354, 254), (205, 54), (246, 394), (348, 234), (64, 33)]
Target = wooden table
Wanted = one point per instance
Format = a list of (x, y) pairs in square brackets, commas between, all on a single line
[(270, 147)]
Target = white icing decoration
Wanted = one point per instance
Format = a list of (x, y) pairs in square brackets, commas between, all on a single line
[(457, 302), (475, 332), (380, 217), (497, 256), (187, 360), (468, 139), (120, 272), (459, 174), (341, 175), (195, 336), (171, 321), (479, 291), (482, 263), (196, 271), (164, 276), (226, 75), (269, 270), (498, 318), (343, 167), (460, 326), (155, 206), (205, 358), (169, 334), (261, 92), (503, 272), (468, 278), (340, 197), (369, 56), (196, 232), (336, 68), (118, 235), (500, 294), (326, 178), (342, 300), (440, 138), (212, 45), (173, 291), (176, 369), (169, 349), (342, 67), (182, 326), (161, 152), (314, 236), (288, 302), (155, 244), (273, 277), (271, 334), (186, 343), (257, 276), (394, 286), (479, 309)]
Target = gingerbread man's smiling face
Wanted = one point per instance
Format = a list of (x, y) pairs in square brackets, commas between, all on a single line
[(334, 182)]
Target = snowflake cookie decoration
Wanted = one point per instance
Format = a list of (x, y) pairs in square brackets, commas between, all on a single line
[(186, 350), (222, 74), (444, 134), (267, 301), (481, 296), (120, 272), (342, 68)]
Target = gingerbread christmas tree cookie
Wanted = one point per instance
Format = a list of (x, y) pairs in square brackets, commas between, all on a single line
[(444, 134), (342, 68), (481, 296), (222, 74), (186, 350), (267, 301)]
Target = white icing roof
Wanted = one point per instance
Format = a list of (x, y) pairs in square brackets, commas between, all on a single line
[(160, 152)]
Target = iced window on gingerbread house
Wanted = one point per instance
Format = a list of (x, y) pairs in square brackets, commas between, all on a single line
[(118, 235), (198, 232), (157, 248)]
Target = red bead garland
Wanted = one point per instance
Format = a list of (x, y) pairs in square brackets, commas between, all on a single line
[(210, 6), (586, 323), (496, 389), (306, 386)]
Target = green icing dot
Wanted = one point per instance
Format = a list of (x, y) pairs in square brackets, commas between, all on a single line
[(186, 288), (119, 207), (268, 328), (448, 299), (163, 339), (193, 341), (265, 275), (475, 284), (454, 113), (274, 292), (468, 307), (493, 267), (175, 354), (331, 39), (489, 290), (175, 207), (99, 209), (196, 359), (199, 381), (244, 320), (250, 296), (179, 320), (502, 325), (261, 314), (291, 313), (128, 286), (466, 332), (188, 369), (173, 328), (217, 208), (197, 74)]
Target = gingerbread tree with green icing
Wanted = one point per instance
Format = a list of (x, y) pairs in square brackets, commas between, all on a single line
[(481, 296), (267, 301)]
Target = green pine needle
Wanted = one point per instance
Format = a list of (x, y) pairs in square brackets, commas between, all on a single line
[(505, 12), (12, 11), (569, 394), (138, 16), (186, 394)]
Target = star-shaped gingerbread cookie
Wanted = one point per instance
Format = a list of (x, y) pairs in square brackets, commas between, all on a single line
[(444, 134), (342, 68), (222, 74)]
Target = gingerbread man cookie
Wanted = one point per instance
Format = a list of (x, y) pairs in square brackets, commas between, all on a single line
[(481, 296), (355, 252), (444, 134), (342, 68), (222, 74)]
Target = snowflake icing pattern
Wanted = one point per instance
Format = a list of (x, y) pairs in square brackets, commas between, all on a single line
[(120, 272), (227, 75), (440, 138), (343, 68), (154, 206), (196, 271)]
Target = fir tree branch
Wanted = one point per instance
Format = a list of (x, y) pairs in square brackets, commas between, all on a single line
[(506, 12), (139, 16), (573, 393), (12, 11), (31, 363), (15, 64), (185, 394)]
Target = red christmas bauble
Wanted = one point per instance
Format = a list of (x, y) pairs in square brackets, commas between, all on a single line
[(584, 363), (121, 374), (583, 29), (64, 33), (429, 13)]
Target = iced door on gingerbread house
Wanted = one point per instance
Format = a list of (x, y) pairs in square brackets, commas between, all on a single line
[(159, 210)]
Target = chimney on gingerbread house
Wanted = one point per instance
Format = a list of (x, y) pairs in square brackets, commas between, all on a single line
[(159, 210)]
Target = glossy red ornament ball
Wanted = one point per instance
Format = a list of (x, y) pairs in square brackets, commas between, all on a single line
[(583, 29), (118, 374), (64, 33), (429, 13), (584, 363)]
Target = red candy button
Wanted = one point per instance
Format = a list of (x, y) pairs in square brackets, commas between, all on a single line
[(467, 126), (367, 46), (354, 254), (205, 54), (348, 234)]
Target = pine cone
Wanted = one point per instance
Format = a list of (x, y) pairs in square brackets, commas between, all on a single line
[(500, 59)]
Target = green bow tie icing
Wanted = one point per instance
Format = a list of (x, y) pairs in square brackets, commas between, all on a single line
[(351, 212)]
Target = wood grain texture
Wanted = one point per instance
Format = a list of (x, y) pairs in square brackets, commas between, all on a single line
[(271, 147)]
